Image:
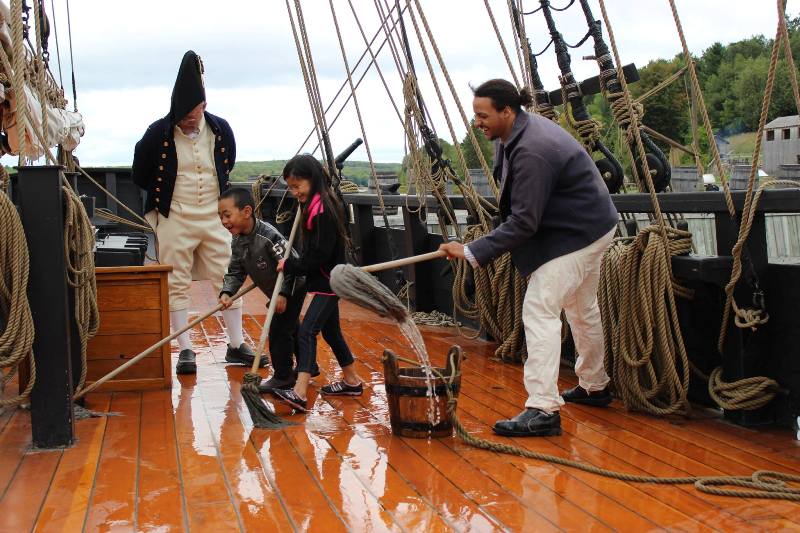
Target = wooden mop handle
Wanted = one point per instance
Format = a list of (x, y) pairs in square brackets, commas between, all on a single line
[(273, 301), (158, 345), (404, 261)]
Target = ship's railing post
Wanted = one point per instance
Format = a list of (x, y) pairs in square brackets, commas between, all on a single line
[(41, 203)]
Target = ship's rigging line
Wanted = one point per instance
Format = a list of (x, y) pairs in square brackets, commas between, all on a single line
[(498, 288), (58, 47), (16, 339), (315, 99), (501, 42), (761, 484)]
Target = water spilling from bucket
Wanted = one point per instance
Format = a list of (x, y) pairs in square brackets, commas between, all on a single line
[(353, 284), (411, 332)]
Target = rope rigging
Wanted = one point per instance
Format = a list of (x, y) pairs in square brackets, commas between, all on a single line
[(575, 110), (16, 322), (610, 85)]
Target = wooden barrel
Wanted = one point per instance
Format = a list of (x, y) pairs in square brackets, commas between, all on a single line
[(407, 394)]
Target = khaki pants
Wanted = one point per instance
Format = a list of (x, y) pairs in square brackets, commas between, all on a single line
[(196, 244), (570, 283)]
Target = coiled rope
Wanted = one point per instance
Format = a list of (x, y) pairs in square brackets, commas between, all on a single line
[(79, 259), (649, 372), (16, 339), (765, 484)]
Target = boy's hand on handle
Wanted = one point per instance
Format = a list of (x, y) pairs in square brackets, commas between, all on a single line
[(225, 301), (280, 266), (280, 304), (453, 249)]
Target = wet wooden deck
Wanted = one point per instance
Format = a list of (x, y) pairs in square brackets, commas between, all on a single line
[(189, 459)]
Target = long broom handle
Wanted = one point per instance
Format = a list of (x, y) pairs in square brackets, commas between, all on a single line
[(404, 261), (159, 344), (273, 301)]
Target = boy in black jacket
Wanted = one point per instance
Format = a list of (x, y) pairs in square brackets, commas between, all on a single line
[(256, 249)]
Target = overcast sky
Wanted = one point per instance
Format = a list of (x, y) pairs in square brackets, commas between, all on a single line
[(127, 54)]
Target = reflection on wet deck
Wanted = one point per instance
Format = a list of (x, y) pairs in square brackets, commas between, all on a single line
[(189, 459)]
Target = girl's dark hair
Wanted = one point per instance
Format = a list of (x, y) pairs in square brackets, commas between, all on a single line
[(503, 94), (305, 166)]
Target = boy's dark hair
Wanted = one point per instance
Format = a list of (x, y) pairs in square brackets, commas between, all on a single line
[(241, 197), (503, 94)]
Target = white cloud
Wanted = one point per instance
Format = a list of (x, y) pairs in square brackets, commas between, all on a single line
[(127, 54)]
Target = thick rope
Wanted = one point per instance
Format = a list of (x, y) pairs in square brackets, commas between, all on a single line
[(344, 84), (457, 100), (660, 291), (433, 318), (16, 337), (649, 373), (420, 164), (674, 341), (502, 42), (764, 484), (750, 318), (79, 258), (373, 172), (39, 68), (18, 75), (305, 70), (497, 303)]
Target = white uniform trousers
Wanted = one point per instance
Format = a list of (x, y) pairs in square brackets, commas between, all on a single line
[(196, 244), (570, 283)]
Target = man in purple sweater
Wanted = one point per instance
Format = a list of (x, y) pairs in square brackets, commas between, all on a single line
[(557, 221)]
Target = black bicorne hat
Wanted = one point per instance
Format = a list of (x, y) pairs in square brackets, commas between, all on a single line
[(189, 90)]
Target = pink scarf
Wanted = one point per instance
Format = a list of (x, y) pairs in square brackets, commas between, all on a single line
[(314, 209)]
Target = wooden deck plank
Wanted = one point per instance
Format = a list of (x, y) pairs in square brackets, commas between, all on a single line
[(15, 439), (341, 469), (257, 499), (354, 467), (22, 501), (594, 499), (654, 456), (208, 503), (645, 456), (113, 499), (711, 446), (484, 489), (370, 468), (410, 464), (693, 505), (160, 498), (64, 508), (306, 502)]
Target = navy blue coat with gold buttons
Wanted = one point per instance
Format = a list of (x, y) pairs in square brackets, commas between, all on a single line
[(155, 161)]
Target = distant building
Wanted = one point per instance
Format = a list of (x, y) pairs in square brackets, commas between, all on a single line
[(781, 146)]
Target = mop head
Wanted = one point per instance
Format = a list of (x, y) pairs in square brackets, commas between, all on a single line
[(262, 415), (363, 289)]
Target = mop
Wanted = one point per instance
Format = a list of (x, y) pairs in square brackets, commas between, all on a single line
[(262, 415)]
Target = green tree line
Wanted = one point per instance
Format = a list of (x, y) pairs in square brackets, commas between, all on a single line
[(732, 78)]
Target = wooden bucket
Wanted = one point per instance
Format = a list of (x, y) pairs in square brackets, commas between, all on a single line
[(407, 394)]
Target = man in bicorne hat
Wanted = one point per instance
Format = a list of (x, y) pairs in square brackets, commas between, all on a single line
[(183, 162)]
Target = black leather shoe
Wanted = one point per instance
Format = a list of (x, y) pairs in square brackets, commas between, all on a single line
[(186, 362), (276, 383), (530, 423), (578, 394), (243, 355)]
